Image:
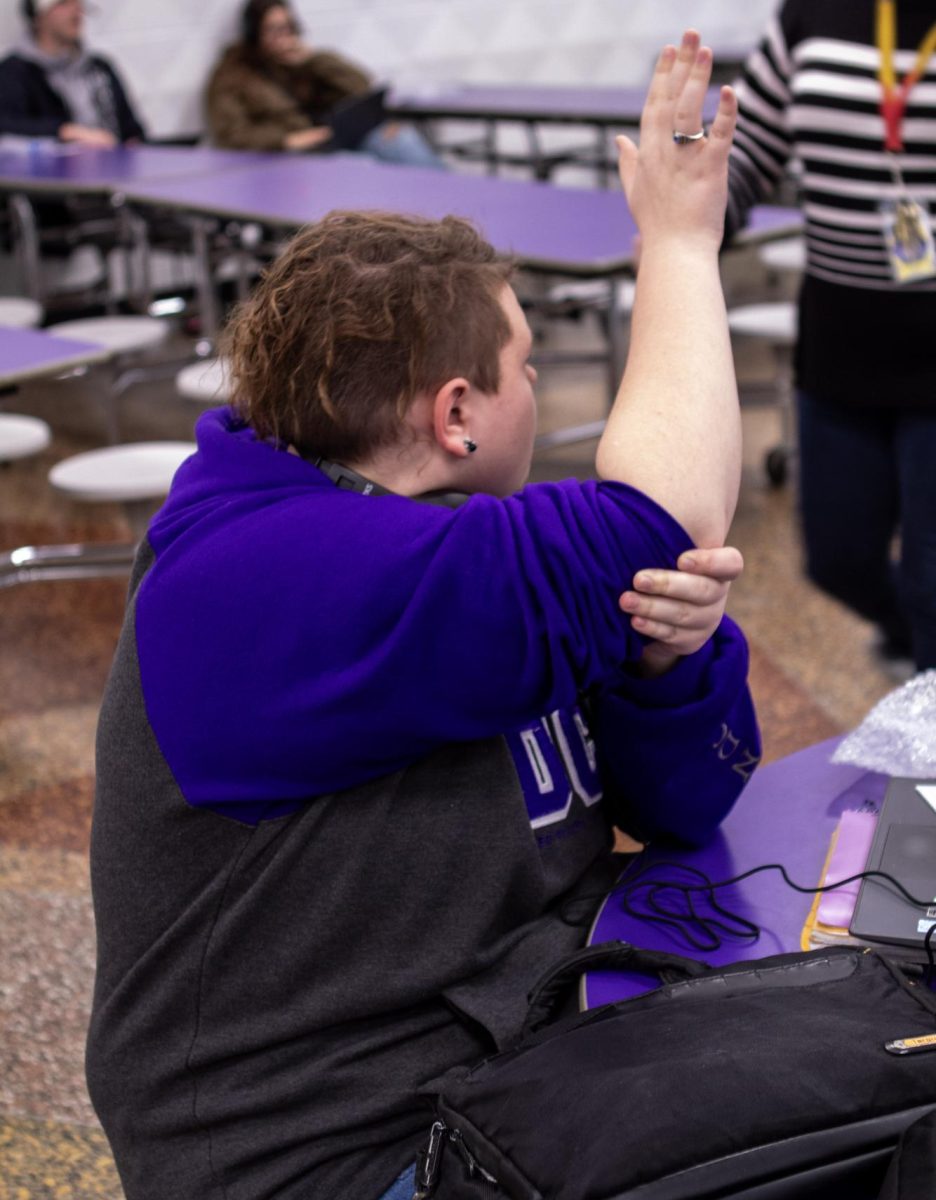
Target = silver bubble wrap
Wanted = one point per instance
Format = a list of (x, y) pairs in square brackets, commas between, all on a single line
[(898, 736)]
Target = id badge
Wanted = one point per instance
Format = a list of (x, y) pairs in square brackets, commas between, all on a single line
[(909, 240)]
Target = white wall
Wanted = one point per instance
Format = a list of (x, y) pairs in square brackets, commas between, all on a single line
[(165, 48)]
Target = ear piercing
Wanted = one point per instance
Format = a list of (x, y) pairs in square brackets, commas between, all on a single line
[(469, 445)]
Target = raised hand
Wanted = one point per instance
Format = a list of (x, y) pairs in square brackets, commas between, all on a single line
[(674, 430), (679, 190)]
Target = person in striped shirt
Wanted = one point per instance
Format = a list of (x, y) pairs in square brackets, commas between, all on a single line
[(846, 90)]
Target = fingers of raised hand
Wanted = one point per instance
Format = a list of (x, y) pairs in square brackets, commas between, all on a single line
[(658, 93), (689, 101), (723, 127), (672, 70), (684, 64)]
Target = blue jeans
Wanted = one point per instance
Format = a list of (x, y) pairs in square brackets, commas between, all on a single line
[(404, 1187), (866, 474), (401, 144)]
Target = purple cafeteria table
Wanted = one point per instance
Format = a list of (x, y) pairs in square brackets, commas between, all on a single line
[(569, 230), (601, 108), (786, 814), (43, 167), (573, 231), (47, 166), (27, 353)]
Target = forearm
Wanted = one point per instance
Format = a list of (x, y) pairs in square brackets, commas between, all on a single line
[(674, 430)]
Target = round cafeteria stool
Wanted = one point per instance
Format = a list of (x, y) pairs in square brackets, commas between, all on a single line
[(594, 293), (18, 312), (22, 436), (120, 335), (123, 336), (205, 382), (787, 254), (124, 474), (134, 475), (775, 322)]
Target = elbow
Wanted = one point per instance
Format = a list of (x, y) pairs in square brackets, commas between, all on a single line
[(706, 512), (706, 524), (704, 507)]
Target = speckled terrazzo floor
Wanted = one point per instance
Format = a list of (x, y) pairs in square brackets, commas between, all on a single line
[(812, 674)]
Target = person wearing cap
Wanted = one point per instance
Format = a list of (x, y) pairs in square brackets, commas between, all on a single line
[(51, 86)]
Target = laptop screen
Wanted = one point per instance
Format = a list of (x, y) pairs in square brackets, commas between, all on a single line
[(353, 119), (904, 847)]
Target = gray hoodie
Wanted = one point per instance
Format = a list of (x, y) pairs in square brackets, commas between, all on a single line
[(79, 81)]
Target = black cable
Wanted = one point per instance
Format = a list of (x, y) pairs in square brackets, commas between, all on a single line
[(637, 888)]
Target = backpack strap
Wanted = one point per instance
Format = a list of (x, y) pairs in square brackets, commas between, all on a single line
[(550, 989)]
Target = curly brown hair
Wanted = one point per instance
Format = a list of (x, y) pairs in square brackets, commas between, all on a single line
[(361, 313)]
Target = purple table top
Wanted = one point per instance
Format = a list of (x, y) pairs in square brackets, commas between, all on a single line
[(567, 229), (25, 353), (571, 230), (787, 814), (48, 166), (531, 102)]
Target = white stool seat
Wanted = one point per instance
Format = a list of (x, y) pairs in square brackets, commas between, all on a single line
[(21, 437), (135, 471), (82, 270), (19, 313), (775, 321), (206, 382), (595, 292), (121, 335), (788, 254)]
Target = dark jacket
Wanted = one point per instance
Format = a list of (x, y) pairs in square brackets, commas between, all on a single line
[(30, 107)]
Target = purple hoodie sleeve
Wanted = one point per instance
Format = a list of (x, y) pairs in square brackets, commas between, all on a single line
[(677, 751), (295, 639)]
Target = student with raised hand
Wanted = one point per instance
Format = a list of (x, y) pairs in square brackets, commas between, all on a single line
[(51, 86), (374, 709)]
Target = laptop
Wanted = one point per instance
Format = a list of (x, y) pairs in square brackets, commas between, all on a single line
[(353, 118), (904, 846)]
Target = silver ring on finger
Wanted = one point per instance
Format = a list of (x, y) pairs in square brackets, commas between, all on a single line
[(683, 139)]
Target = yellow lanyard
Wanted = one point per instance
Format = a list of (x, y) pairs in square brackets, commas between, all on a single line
[(894, 95)]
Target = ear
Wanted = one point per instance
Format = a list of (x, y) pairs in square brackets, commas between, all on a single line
[(452, 408)]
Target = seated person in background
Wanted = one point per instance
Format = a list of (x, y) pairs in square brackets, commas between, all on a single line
[(333, 827), (271, 91), (51, 86)]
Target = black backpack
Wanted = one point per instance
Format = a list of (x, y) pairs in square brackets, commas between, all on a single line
[(789, 1076)]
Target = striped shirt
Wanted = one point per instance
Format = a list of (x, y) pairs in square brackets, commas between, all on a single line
[(810, 96)]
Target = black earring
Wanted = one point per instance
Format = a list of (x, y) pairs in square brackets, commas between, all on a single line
[(470, 446)]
